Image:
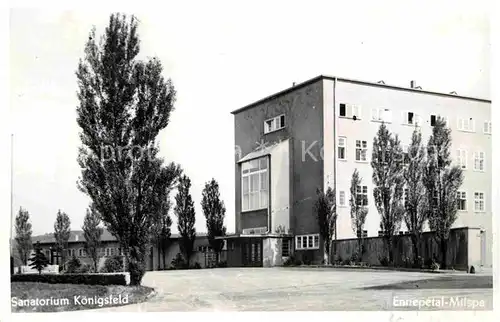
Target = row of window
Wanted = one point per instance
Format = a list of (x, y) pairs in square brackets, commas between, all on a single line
[(361, 154), (307, 242), (409, 118), (479, 199), (478, 157), (81, 252)]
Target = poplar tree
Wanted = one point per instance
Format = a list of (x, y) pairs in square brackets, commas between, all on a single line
[(442, 181), (325, 208), (184, 210), (23, 235), (124, 104), (214, 211), (388, 184)]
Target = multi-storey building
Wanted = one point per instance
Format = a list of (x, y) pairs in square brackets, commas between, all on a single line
[(315, 134)]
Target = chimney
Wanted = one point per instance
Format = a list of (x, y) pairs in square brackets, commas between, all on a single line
[(413, 84)]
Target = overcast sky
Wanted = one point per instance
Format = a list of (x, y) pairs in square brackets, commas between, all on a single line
[(221, 57)]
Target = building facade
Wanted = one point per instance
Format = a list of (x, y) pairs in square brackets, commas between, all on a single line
[(315, 134), (110, 247)]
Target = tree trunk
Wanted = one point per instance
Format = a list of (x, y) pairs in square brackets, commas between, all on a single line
[(158, 249), (163, 255), (444, 248), (416, 243)]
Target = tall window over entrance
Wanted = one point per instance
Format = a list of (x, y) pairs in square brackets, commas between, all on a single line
[(254, 184)]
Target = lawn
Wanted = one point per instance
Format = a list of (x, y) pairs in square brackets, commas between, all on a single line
[(44, 297)]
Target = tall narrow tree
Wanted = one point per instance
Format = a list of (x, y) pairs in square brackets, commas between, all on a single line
[(184, 210), (442, 181), (215, 211), (61, 234), (23, 235), (165, 238), (415, 201), (388, 184), (359, 209), (325, 208), (124, 104), (92, 233)]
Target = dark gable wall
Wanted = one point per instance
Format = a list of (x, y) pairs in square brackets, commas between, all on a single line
[(304, 125)]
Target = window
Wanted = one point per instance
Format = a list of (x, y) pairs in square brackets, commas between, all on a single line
[(274, 124), (462, 158), (349, 110), (112, 252), (342, 111), (466, 125), (405, 197), (342, 199), (285, 247), (362, 195), (435, 198), (47, 254), (307, 241), (82, 252), (341, 153), (433, 120), (254, 180), (381, 115), (479, 161), (361, 149), (487, 127), (462, 200), (108, 252), (410, 118), (364, 235), (478, 201), (380, 233)]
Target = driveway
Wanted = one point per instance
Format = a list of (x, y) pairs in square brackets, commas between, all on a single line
[(315, 289)]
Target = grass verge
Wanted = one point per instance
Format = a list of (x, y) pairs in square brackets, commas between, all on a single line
[(29, 297)]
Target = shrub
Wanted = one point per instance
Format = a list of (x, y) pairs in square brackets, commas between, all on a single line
[(222, 264), (354, 258), (288, 261), (297, 261), (85, 268), (196, 265), (112, 265), (73, 265), (88, 279), (384, 261), (419, 263), (178, 261)]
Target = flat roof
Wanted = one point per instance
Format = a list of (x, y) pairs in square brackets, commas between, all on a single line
[(355, 81)]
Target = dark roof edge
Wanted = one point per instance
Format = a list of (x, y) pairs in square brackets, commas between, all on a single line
[(355, 81)]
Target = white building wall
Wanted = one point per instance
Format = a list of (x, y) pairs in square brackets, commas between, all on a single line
[(422, 105), (280, 186)]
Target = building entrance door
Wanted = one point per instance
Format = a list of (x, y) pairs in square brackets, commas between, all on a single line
[(252, 252)]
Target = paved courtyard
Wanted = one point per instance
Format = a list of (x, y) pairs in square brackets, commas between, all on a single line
[(297, 289)]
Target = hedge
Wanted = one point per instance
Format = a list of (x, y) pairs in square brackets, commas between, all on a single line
[(89, 279)]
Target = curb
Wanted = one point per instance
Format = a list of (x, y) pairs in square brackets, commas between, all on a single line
[(381, 268)]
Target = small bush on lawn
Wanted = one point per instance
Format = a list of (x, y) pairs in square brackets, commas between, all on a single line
[(112, 265), (73, 265), (88, 279), (196, 265)]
